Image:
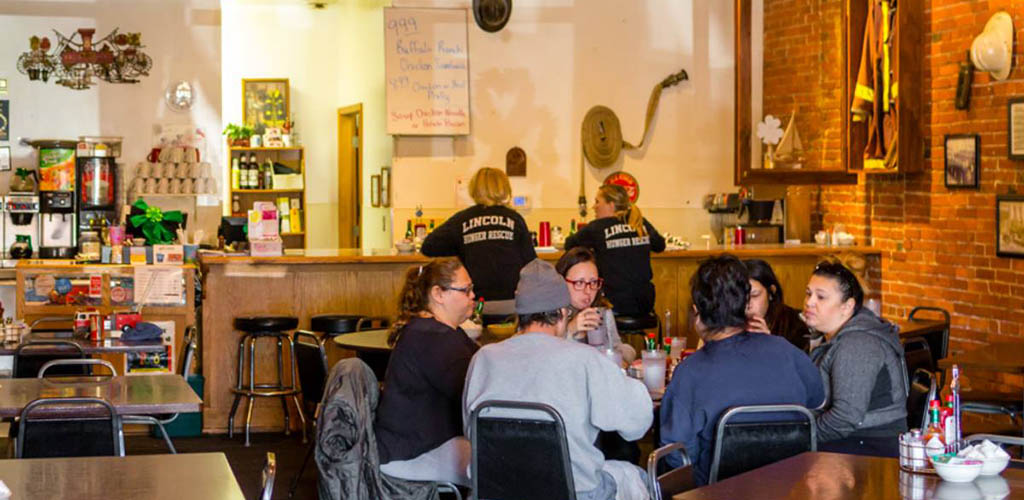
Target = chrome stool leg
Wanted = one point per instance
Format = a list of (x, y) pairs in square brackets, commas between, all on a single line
[(252, 386), (280, 384), (238, 386)]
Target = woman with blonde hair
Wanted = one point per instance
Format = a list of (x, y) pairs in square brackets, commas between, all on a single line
[(490, 239), (622, 241), (425, 377)]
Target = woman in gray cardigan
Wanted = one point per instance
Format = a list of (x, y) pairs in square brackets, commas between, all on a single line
[(861, 364)]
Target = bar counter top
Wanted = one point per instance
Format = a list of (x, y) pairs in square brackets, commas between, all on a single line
[(386, 255)]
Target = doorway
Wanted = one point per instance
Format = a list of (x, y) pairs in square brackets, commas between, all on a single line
[(350, 176)]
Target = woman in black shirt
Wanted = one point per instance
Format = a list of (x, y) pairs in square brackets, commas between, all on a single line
[(490, 238), (419, 419), (623, 241)]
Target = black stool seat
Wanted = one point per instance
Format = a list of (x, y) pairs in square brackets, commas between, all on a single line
[(266, 324), (630, 324), (333, 324)]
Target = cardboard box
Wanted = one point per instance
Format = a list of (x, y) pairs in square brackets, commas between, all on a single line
[(266, 248), (288, 181)]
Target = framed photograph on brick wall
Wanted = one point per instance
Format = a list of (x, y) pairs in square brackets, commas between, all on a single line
[(963, 158), (1010, 225), (1015, 121)]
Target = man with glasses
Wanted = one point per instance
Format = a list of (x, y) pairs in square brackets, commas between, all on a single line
[(591, 393)]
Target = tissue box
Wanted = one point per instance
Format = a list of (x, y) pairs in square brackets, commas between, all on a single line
[(266, 248), (287, 181)]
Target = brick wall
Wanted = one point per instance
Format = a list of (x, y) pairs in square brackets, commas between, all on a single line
[(938, 244)]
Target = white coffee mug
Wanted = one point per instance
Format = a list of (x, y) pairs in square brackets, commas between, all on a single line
[(188, 186)]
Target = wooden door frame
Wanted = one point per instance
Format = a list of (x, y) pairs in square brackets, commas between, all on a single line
[(357, 110)]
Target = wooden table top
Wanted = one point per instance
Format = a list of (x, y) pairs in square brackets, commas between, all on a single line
[(366, 340), (1005, 357), (197, 476), (90, 347), (832, 476), (130, 395)]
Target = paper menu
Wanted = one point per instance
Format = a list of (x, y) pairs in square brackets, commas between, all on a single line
[(159, 284)]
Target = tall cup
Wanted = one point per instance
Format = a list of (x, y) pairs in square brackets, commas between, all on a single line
[(544, 234), (654, 369)]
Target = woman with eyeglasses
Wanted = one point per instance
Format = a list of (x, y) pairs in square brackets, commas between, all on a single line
[(622, 242), (766, 311), (861, 364), (588, 321), (419, 418)]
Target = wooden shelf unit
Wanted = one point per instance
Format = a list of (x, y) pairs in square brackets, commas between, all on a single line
[(294, 157)]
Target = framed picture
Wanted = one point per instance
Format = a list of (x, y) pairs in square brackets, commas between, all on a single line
[(1010, 225), (963, 156), (265, 103), (5, 120), (1015, 119), (5, 158)]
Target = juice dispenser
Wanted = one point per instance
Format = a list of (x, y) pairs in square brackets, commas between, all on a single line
[(56, 198)]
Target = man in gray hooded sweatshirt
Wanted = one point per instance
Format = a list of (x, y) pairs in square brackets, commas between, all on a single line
[(861, 365)]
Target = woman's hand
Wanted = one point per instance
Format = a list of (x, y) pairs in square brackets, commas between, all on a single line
[(586, 320), (757, 324)]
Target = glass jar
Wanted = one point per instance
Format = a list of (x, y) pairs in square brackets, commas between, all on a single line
[(22, 247), (89, 246)]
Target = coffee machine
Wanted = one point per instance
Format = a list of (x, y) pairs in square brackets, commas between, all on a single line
[(96, 191), (56, 198), (20, 224)]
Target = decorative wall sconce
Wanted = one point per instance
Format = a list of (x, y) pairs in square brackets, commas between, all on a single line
[(76, 60)]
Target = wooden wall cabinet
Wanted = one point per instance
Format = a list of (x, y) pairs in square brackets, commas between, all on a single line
[(294, 157)]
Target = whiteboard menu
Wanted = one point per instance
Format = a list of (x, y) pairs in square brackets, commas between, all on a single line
[(427, 71)]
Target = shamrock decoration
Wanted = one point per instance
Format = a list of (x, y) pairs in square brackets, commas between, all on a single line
[(770, 130), (156, 225)]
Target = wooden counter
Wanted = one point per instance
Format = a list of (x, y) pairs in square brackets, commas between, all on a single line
[(362, 282)]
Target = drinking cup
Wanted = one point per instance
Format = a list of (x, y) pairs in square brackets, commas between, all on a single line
[(143, 170), (187, 186), (654, 369), (149, 186), (544, 234), (162, 185), (678, 345), (174, 186), (177, 155), (165, 155), (192, 171), (615, 356)]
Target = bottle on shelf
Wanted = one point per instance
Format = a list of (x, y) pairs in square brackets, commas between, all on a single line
[(236, 206), (243, 173), (254, 178), (268, 174), (236, 173), (572, 227), (408, 230), (431, 228)]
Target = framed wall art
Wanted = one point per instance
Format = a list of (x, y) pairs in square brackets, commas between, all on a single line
[(5, 158), (265, 103), (5, 120), (962, 159), (1015, 125), (1010, 225)]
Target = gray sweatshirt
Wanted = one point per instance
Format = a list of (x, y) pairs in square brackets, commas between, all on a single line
[(589, 392), (865, 380)]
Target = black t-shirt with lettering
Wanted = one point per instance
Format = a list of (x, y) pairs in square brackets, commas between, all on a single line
[(623, 260), (492, 242)]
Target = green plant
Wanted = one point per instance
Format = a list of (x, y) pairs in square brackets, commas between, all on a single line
[(237, 132)]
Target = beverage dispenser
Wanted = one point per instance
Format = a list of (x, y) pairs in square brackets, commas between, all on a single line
[(96, 198), (56, 198)]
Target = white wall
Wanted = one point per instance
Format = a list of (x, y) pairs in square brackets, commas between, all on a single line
[(332, 57), (181, 36), (532, 83)]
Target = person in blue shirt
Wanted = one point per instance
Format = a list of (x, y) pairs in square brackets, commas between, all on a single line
[(734, 367)]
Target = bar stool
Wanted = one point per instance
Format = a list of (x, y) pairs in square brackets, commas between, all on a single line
[(253, 329), (634, 328)]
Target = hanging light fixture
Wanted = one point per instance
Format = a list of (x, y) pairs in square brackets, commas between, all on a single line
[(78, 59)]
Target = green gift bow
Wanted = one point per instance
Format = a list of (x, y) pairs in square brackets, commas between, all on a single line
[(152, 220)]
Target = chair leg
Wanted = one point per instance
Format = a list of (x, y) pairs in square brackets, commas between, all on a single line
[(302, 417), (302, 468), (252, 388), (248, 418), (167, 438), (231, 416)]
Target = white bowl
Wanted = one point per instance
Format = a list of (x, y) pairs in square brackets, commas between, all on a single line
[(994, 465), (404, 247), (956, 470)]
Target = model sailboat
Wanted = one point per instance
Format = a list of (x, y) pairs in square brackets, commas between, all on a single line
[(790, 152)]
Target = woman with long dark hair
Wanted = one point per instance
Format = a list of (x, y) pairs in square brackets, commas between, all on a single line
[(588, 321), (425, 377), (766, 311)]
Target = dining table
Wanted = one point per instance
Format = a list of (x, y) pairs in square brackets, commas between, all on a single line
[(834, 476), (106, 346), (128, 394), (196, 476)]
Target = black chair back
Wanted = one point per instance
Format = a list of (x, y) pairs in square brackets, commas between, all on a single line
[(741, 446), (922, 389), (939, 343), (32, 355), (517, 456), (51, 367), (68, 427), (312, 365), (671, 482), (188, 351), (918, 355)]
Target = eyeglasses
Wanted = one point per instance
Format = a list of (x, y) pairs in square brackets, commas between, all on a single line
[(580, 285), (466, 289)]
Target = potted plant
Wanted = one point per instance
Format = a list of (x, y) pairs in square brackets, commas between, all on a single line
[(238, 135)]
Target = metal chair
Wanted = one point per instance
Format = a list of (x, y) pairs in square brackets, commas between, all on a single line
[(62, 320), (516, 457), (939, 345), (85, 363), (188, 352), (75, 427), (917, 354), (312, 365), (673, 482), (29, 357), (922, 390), (745, 446), (267, 476)]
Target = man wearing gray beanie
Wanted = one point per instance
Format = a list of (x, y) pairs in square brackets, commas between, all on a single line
[(587, 389)]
